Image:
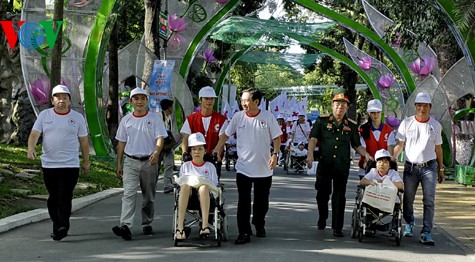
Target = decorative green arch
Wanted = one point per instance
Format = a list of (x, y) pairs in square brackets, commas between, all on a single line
[(95, 51), (368, 34)]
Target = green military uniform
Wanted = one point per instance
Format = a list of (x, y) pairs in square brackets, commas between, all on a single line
[(334, 165)]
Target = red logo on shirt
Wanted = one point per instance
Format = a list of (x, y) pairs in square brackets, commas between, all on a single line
[(216, 127)]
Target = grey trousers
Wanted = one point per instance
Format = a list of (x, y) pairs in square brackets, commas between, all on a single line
[(138, 174)]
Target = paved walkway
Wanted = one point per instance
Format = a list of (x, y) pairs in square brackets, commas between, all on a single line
[(291, 230)]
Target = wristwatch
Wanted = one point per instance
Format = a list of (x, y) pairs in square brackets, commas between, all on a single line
[(442, 169), (275, 154)]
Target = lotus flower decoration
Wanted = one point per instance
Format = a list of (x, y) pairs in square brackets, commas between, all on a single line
[(424, 66), (393, 121), (365, 63), (40, 89), (386, 81), (176, 41), (209, 56), (176, 24), (222, 2)]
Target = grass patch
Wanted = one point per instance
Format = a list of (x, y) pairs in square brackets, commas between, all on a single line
[(101, 176)]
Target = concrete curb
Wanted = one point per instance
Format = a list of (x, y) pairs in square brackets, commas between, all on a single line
[(40, 214)]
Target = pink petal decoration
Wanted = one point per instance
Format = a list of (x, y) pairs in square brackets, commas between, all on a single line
[(424, 66), (209, 56), (386, 81), (176, 24), (365, 63), (40, 89), (222, 2), (177, 41)]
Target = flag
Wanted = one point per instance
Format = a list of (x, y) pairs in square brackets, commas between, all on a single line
[(234, 109), (263, 104), (275, 106), (227, 112)]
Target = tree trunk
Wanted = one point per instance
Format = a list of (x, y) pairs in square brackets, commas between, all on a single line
[(151, 39), (112, 110), (55, 76)]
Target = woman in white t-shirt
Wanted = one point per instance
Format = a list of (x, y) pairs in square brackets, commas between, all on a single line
[(201, 178)]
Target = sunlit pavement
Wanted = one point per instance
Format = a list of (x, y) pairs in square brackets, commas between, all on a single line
[(292, 234)]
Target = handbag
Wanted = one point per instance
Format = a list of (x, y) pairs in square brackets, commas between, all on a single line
[(169, 142)]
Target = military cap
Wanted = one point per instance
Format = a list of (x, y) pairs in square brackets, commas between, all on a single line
[(340, 94)]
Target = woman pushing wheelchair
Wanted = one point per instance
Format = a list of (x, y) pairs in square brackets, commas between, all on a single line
[(196, 177)]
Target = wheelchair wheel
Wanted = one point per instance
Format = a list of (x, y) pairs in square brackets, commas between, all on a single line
[(362, 224), (224, 228), (288, 162), (399, 231), (354, 223)]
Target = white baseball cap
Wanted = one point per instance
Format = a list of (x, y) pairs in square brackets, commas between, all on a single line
[(423, 98), (196, 139), (374, 106), (280, 116), (302, 113), (60, 89), (289, 119), (207, 91), (138, 91), (382, 153)]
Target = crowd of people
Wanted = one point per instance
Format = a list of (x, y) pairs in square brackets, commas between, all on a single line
[(260, 141)]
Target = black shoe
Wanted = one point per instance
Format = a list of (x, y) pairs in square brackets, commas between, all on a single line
[(62, 233), (116, 230), (147, 230), (242, 239), (321, 225), (261, 232), (338, 233), (125, 233)]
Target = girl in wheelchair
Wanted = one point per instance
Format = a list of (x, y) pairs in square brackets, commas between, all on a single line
[(382, 171), (196, 177)]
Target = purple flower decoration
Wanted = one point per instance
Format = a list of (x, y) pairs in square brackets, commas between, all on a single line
[(425, 66), (209, 56), (386, 81), (40, 89), (176, 24), (176, 41), (392, 121), (222, 2), (365, 63)]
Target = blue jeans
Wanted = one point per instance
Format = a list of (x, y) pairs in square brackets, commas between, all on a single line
[(427, 176)]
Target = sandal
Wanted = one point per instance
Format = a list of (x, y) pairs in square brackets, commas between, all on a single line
[(204, 232), (180, 235)]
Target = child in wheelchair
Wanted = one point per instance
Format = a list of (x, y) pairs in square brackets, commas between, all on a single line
[(196, 177), (372, 218), (299, 157)]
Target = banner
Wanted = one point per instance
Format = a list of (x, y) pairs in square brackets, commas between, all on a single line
[(160, 83)]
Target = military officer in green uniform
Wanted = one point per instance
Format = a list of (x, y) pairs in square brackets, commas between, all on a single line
[(335, 133)]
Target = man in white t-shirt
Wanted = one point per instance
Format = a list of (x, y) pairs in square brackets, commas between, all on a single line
[(256, 129), (421, 138), (140, 137), (64, 131), (207, 122), (300, 131)]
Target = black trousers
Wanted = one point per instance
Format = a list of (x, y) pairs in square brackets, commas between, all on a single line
[(262, 187), (325, 184), (60, 183)]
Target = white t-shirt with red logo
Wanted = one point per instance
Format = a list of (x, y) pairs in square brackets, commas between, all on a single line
[(254, 138), (206, 170), (420, 139), (61, 134), (140, 133)]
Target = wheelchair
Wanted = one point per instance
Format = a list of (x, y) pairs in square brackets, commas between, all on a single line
[(218, 221), (293, 162), (367, 219), (230, 157)]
